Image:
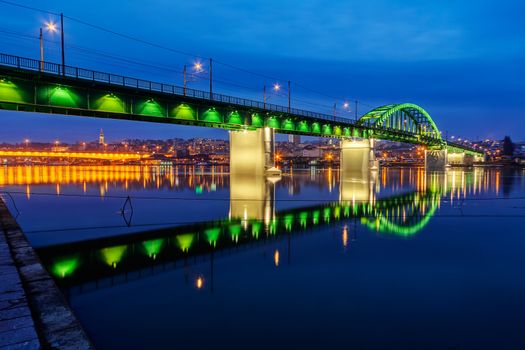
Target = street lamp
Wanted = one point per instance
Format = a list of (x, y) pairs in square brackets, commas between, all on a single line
[(52, 28), (276, 88), (26, 141), (198, 68)]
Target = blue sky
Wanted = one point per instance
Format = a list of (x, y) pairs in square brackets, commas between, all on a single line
[(462, 61)]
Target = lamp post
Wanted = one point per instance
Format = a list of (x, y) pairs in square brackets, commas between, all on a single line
[(289, 98), (184, 79), (52, 27), (62, 42), (41, 50)]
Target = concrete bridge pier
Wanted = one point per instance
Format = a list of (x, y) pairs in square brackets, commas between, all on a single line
[(436, 160), (252, 152), (460, 159), (357, 157)]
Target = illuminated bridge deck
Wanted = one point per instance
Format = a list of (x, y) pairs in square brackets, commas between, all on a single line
[(25, 86)]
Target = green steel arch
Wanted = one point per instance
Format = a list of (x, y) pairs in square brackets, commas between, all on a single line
[(406, 117)]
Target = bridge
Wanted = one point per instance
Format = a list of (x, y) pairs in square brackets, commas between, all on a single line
[(73, 155), (33, 86)]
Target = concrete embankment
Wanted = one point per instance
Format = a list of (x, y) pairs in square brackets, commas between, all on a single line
[(33, 311)]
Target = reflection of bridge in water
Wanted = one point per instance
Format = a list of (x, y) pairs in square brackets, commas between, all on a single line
[(253, 220)]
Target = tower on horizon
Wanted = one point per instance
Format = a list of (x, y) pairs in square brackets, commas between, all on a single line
[(101, 138)]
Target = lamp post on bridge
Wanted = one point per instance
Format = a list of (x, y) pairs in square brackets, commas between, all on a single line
[(52, 28), (276, 87), (345, 107)]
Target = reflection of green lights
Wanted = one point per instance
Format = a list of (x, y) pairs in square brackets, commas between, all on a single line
[(235, 232), (62, 96), (153, 247), (113, 255), (337, 212), (185, 241), (326, 214), (288, 222), (256, 229), (315, 217), (303, 218), (65, 267), (212, 235), (273, 227), (382, 224), (198, 189)]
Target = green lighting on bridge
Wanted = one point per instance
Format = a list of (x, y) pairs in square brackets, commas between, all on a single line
[(235, 118), (184, 112), (109, 103), (10, 92), (212, 116), (64, 97), (150, 108)]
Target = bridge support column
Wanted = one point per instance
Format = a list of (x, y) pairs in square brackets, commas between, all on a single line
[(252, 152), (462, 159), (357, 157), (436, 160)]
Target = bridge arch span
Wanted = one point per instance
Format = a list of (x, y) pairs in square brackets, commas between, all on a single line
[(406, 117)]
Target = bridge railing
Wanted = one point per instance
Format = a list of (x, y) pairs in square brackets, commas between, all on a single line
[(87, 74)]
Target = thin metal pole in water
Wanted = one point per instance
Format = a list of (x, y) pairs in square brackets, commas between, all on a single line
[(211, 80), (62, 42)]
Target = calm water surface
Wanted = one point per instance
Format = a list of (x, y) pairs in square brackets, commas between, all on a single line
[(194, 258)]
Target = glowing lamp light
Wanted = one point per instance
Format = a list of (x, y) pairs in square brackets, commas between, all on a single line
[(276, 87), (346, 105), (197, 67), (51, 26)]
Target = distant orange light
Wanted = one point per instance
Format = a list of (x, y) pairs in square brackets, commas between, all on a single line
[(199, 283)]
